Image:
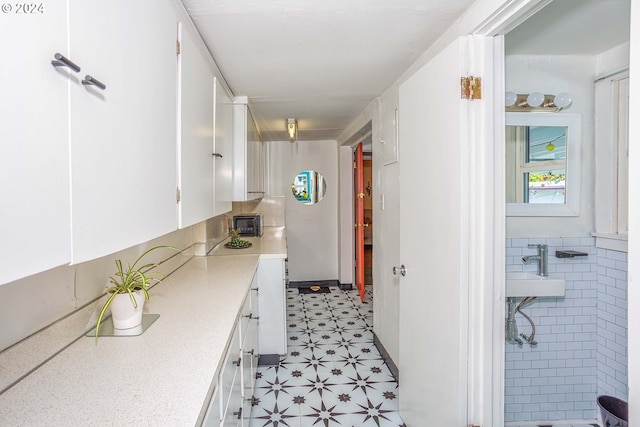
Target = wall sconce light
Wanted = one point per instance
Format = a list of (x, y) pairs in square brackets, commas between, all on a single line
[(536, 101), (292, 128)]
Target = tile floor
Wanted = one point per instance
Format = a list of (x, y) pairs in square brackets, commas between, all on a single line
[(333, 375)]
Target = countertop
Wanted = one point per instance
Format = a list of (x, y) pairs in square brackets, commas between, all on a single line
[(165, 375), (272, 244)]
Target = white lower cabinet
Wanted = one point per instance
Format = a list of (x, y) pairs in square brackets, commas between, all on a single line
[(214, 413), (273, 326), (236, 381)]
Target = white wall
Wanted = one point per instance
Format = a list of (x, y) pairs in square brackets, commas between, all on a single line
[(634, 217), (312, 230), (555, 74)]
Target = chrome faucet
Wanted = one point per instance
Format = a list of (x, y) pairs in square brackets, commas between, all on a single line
[(541, 258)]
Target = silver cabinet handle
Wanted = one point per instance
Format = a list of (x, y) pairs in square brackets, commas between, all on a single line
[(62, 61), (400, 270), (90, 81), (239, 413), (217, 155)]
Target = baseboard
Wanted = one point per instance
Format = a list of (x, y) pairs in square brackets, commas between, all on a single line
[(385, 356), (268, 359), (345, 286)]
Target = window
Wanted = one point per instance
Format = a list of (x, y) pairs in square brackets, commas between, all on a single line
[(612, 161), (542, 164)]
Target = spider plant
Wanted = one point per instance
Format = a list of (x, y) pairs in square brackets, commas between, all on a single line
[(133, 278)]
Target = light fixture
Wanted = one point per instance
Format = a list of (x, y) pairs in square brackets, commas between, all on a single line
[(562, 100), (536, 101), (292, 128), (510, 98)]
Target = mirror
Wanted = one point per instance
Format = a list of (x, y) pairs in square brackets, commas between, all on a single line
[(308, 187), (542, 164)]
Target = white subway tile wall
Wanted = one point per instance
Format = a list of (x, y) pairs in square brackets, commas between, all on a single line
[(581, 350), (612, 324)]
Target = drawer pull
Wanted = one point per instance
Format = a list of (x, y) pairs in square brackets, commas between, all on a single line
[(62, 61), (237, 362), (217, 155), (250, 352), (238, 413), (90, 81)]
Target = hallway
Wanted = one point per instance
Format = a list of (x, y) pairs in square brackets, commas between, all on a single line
[(333, 375)]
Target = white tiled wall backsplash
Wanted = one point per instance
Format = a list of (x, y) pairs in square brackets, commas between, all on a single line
[(612, 323), (581, 350)]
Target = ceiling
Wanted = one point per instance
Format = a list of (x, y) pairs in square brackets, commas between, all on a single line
[(579, 27), (323, 62)]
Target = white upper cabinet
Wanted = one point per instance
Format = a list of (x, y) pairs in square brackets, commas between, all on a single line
[(223, 156), (248, 170), (196, 145), (123, 138), (34, 153)]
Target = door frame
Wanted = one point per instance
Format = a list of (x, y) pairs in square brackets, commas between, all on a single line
[(487, 362)]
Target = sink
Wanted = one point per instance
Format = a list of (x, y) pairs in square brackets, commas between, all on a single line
[(521, 284)]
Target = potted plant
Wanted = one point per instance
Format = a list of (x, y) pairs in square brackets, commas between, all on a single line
[(129, 292), (236, 242)]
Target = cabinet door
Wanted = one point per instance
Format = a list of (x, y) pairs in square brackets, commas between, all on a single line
[(255, 181), (224, 147), (272, 327), (34, 153), (214, 415), (123, 138), (247, 156), (196, 160)]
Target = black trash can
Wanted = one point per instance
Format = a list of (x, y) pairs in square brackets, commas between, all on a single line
[(615, 412)]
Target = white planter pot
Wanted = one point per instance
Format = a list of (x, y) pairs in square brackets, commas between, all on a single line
[(123, 314)]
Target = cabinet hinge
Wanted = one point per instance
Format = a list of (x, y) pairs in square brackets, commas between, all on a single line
[(470, 88), (177, 195), (177, 47), (355, 166)]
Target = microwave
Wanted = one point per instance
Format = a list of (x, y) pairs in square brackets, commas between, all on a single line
[(248, 224)]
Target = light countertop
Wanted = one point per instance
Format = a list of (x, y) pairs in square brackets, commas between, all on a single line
[(163, 375), (272, 244)]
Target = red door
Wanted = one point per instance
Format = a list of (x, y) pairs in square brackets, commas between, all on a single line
[(359, 225)]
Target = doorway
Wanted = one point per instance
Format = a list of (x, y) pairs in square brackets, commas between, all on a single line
[(541, 372), (363, 213)]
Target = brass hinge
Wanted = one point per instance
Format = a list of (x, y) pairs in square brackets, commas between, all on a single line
[(177, 195), (177, 47), (470, 88)]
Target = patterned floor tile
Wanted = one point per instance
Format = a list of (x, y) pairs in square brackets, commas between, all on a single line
[(333, 375)]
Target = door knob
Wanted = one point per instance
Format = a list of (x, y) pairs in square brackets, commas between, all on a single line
[(400, 270)]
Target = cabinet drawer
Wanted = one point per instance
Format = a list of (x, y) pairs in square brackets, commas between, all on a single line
[(230, 367), (245, 318), (233, 410), (213, 416)]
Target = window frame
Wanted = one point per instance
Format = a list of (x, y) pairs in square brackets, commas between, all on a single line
[(573, 123)]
